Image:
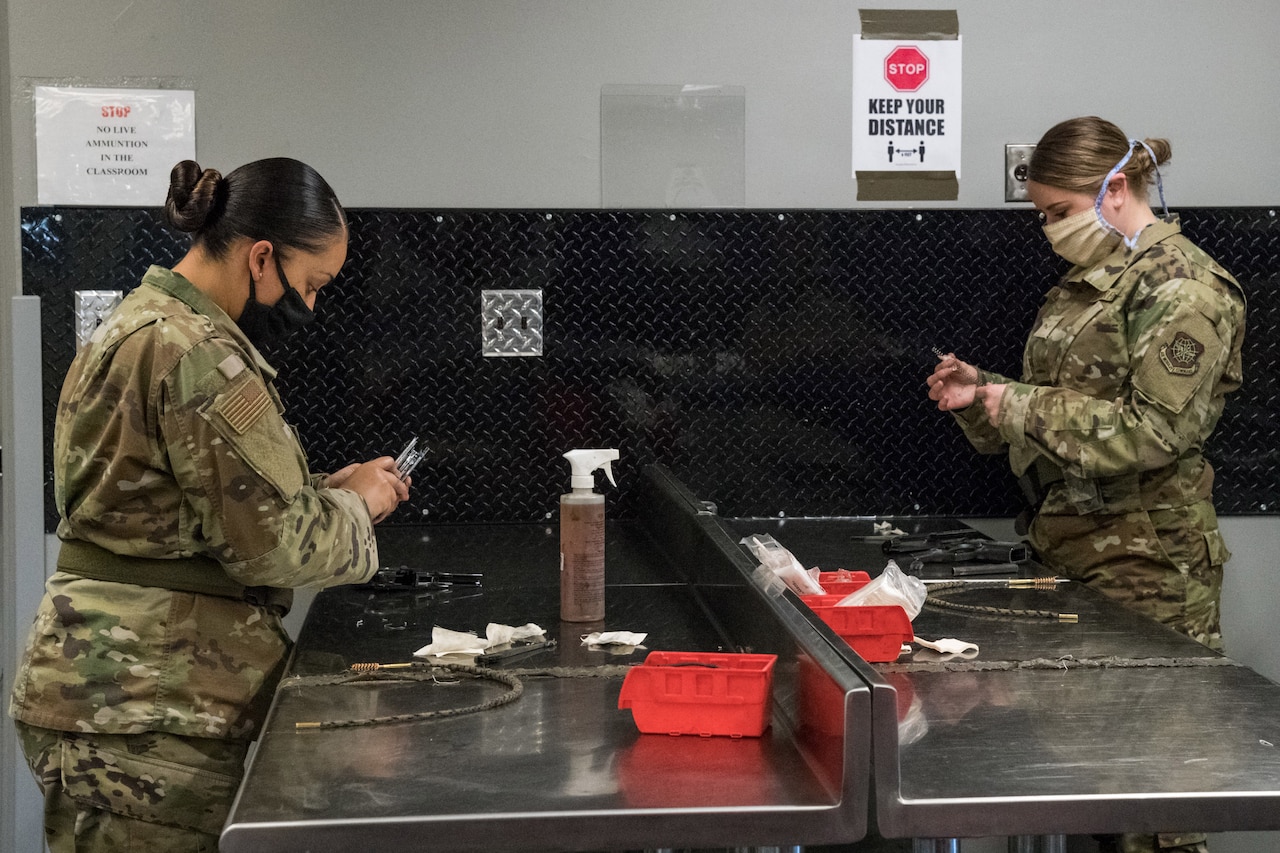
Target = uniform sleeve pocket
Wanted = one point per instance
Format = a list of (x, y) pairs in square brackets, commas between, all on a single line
[(1179, 361), (244, 414), (147, 789), (1217, 546)]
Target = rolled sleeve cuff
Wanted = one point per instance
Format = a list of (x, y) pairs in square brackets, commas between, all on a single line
[(1015, 408), (970, 416)]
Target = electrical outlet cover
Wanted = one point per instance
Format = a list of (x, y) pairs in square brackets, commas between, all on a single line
[(1016, 160), (510, 322)]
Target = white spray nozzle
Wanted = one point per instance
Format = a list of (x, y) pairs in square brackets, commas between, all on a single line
[(583, 462)]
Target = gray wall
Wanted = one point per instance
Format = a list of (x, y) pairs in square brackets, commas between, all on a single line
[(495, 103)]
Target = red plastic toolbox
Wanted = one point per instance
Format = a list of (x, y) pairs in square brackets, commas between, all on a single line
[(843, 581), (875, 631), (697, 693)]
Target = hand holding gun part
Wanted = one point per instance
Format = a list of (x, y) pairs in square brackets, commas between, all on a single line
[(409, 458)]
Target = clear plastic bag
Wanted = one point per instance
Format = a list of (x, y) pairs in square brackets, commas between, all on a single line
[(782, 564), (893, 586)]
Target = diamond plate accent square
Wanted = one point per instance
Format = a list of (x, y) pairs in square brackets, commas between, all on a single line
[(510, 322), (92, 308)]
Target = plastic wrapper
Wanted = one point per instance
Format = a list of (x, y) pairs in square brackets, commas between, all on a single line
[(783, 564), (893, 586)]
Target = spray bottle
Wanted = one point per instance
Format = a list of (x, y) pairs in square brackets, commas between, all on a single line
[(582, 538)]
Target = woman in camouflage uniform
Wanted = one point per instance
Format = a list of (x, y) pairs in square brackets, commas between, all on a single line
[(1124, 377), (188, 515)]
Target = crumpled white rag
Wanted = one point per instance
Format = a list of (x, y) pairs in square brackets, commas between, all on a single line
[(447, 642), (613, 638), (947, 645)]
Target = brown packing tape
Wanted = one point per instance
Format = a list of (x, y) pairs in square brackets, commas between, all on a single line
[(920, 24), (908, 186)]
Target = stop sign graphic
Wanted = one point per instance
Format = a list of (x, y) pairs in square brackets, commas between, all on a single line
[(906, 68)]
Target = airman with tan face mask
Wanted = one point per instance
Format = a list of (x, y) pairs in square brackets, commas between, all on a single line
[(1124, 377)]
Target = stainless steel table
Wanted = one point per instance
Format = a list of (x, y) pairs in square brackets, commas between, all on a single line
[(561, 768), (1112, 724)]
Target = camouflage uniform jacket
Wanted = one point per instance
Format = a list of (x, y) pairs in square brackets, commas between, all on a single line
[(170, 442), (1123, 379)]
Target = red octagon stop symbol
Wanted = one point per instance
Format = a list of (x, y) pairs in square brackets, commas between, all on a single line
[(906, 68)]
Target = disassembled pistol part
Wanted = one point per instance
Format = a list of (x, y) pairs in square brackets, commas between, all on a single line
[(409, 458), (516, 651), (407, 577)]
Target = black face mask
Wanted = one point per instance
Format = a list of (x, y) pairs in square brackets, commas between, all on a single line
[(265, 324)]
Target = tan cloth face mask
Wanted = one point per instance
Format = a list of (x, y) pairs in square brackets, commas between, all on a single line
[(1082, 238)]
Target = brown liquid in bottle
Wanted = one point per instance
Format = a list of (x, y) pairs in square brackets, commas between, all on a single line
[(582, 557)]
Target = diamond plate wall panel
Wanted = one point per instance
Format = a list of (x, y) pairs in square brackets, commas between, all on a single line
[(775, 361)]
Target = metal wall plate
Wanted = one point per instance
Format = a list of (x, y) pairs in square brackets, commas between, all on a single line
[(510, 322), (1016, 160), (92, 307)]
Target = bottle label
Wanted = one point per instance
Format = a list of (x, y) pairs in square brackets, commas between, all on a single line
[(582, 562)]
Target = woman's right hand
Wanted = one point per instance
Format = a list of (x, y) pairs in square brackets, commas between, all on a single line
[(378, 482)]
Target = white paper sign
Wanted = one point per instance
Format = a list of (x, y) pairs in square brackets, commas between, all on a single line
[(111, 146), (906, 105)]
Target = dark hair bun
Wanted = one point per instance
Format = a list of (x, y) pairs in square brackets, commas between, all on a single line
[(193, 201)]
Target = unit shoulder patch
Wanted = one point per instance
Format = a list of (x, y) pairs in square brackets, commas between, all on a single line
[(1180, 362), (1181, 355)]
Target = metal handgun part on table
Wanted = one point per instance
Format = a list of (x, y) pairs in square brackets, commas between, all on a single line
[(407, 577), (976, 554)]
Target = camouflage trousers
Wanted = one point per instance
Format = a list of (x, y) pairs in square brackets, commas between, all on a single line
[(1164, 563), (106, 793)]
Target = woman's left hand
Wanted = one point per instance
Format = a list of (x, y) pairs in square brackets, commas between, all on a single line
[(337, 478)]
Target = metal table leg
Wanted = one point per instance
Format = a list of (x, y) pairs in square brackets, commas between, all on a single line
[(935, 845)]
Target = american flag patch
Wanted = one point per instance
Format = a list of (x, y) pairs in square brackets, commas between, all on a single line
[(244, 407)]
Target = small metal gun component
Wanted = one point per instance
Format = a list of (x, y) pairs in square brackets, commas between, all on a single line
[(410, 457), (928, 541), (516, 651)]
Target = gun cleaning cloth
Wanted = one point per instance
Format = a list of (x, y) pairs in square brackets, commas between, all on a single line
[(948, 646), (499, 634), (447, 642), (613, 638)]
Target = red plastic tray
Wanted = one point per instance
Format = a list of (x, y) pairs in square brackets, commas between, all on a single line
[(843, 581), (697, 693), (876, 632)]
